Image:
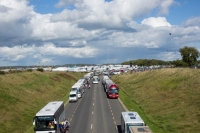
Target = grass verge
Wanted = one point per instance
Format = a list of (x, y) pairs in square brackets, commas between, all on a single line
[(168, 99)]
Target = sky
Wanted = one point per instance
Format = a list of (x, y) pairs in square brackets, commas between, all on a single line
[(58, 32)]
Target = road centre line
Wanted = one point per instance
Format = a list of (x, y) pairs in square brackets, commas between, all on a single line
[(91, 126)]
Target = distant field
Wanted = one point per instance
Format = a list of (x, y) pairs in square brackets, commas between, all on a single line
[(167, 99), (23, 94)]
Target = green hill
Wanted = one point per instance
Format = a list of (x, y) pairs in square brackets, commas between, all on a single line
[(167, 99), (23, 94)]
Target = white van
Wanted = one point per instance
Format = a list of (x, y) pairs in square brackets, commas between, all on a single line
[(73, 96), (80, 89)]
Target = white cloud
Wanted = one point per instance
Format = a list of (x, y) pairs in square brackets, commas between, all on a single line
[(156, 22), (89, 29), (194, 21), (164, 6), (62, 3)]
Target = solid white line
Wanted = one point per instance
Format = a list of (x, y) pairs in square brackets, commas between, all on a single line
[(91, 126)]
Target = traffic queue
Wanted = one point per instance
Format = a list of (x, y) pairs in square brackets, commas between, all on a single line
[(79, 87)]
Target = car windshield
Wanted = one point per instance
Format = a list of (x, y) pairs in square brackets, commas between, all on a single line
[(74, 89), (42, 123), (95, 79), (72, 95), (114, 91)]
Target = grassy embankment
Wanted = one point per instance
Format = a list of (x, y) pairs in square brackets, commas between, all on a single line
[(23, 94), (168, 100)]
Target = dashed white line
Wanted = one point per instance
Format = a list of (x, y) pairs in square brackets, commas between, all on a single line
[(93, 103), (92, 112), (91, 126)]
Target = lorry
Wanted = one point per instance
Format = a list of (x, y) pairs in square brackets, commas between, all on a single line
[(80, 89)]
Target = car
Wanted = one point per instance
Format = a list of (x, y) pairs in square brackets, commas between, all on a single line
[(95, 81), (96, 77), (73, 96)]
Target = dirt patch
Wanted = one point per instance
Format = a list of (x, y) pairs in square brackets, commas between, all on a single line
[(56, 78), (65, 75)]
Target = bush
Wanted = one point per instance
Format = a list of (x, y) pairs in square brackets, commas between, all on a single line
[(2, 73), (40, 69), (29, 70)]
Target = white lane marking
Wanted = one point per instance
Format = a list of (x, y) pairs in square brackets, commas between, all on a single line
[(93, 103), (91, 126), (92, 112)]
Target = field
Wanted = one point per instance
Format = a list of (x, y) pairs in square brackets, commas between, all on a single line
[(23, 94), (167, 99)]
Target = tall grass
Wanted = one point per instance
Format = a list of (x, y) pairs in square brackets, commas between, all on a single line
[(23, 94), (168, 99)]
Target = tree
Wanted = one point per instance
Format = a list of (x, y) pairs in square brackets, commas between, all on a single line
[(179, 63), (189, 55)]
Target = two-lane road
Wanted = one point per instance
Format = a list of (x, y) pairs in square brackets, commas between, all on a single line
[(94, 113)]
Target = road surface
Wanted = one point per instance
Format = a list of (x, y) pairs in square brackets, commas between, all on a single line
[(94, 112)]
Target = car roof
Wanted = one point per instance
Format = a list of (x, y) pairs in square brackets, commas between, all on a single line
[(73, 92)]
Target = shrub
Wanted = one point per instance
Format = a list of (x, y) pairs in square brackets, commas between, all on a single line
[(29, 70), (2, 73), (40, 69)]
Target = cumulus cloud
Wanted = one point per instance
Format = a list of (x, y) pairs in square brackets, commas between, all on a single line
[(94, 29), (62, 3), (194, 21), (99, 13), (165, 5), (156, 22)]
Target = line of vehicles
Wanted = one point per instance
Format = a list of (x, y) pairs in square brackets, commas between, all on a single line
[(79, 87)]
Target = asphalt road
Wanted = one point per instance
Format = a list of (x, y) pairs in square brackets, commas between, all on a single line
[(94, 112)]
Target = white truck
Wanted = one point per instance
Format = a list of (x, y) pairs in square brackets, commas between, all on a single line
[(79, 87), (131, 121)]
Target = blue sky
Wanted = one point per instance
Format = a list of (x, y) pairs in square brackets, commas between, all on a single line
[(53, 32)]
